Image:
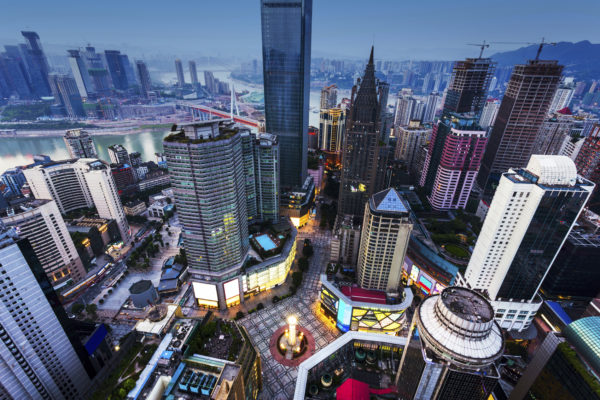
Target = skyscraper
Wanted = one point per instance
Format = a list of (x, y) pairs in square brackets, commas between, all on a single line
[(562, 98), (39, 354), (14, 179), (80, 144), (64, 90), (79, 183), (37, 64), (179, 71), (212, 201), (209, 82), (384, 240), (523, 109), (144, 78), (431, 107), (588, 163), (405, 105), (363, 153), (97, 70), (410, 139), (530, 217), (329, 97), (193, 73), (489, 113), (452, 346), (80, 73), (40, 222), (13, 74), (464, 101), (331, 129), (116, 68), (286, 41), (118, 154)]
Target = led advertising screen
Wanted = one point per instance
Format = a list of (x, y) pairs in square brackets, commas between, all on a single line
[(329, 301), (425, 284), (414, 273), (232, 292), (205, 294), (344, 316), (438, 288)]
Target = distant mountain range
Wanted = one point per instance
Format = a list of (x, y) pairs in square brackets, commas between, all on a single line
[(581, 59)]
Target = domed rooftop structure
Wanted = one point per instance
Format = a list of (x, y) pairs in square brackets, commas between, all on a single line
[(584, 335)]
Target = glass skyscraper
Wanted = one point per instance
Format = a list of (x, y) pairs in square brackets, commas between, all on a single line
[(286, 39)]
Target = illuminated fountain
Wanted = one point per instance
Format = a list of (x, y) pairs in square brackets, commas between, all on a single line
[(292, 342)]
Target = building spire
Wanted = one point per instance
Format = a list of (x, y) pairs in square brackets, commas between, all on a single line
[(365, 107), (371, 57)]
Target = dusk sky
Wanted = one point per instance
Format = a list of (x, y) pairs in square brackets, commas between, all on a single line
[(400, 29)]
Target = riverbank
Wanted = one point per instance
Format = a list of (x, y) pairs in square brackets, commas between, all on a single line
[(113, 131)]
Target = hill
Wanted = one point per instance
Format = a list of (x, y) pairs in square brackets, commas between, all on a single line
[(581, 59)]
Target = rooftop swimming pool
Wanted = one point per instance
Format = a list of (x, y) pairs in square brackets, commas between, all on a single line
[(265, 242)]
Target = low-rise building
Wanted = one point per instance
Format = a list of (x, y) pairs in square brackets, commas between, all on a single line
[(296, 203), (135, 207)]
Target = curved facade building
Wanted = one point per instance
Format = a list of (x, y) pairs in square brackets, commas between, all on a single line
[(584, 335), (453, 344)]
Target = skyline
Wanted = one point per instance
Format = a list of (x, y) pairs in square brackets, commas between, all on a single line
[(395, 33)]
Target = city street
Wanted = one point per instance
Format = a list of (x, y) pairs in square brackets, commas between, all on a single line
[(279, 381)]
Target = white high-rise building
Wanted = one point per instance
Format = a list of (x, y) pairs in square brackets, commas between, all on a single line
[(410, 139), (404, 107), (531, 215), (79, 144), (488, 115), (37, 357), (40, 222), (75, 184), (431, 107), (562, 98)]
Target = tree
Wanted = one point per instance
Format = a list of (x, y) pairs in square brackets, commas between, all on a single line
[(77, 308), (91, 308), (260, 306), (297, 278), (307, 250), (239, 315), (303, 264), (129, 384)]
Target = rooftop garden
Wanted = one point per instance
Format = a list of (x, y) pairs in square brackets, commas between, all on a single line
[(216, 338), (179, 136)]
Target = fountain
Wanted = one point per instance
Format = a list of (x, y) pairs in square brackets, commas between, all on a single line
[(291, 344), (292, 341)]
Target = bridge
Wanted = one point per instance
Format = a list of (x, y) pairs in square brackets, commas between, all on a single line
[(200, 112)]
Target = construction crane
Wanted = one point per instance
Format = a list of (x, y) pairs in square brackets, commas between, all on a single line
[(539, 51), (483, 46)]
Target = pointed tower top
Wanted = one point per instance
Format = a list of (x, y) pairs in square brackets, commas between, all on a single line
[(371, 57)]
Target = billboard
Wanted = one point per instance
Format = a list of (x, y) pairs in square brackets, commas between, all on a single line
[(232, 292), (344, 316), (425, 284), (329, 301), (205, 294)]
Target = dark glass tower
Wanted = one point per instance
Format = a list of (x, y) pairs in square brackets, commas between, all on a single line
[(286, 39), (114, 61), (522, 112), (37, 63), (364, 155)]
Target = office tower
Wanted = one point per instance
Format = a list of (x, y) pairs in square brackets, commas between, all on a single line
[(363, 153), (555, 130), (329, 97), (384, 240), (118, 154), (13, 74), (409, 141), (464, 101), (463, 149), (332, 125), (64, 90), (82, 183), (40, 222), (129, 71), (80, 73), (431, 107), (80, 144), (530, 217), (405, 105), (14, 179), (37, 64), (40, 356), (286, 40), (209, 82), (144, 78), (564, 366), (522, 112), (452, 346), (193, 73), (179, 71), (116, 69), (488, 115), (212, 202), (562, 98), (97, 70)]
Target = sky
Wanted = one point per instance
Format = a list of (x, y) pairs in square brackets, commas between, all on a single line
[(399, 29)]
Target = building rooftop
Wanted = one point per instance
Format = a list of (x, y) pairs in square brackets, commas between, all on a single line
[(553, 170), (467, 305), (388, 201), (584, 335), (140, 286), (23, 207)]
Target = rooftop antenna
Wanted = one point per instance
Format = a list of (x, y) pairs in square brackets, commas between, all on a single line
[(482, 46)]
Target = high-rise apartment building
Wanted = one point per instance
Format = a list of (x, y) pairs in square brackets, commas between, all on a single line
[(489, 113), (459, 164), (553, 132), (562, 98), (209, 82), (329, 97), (37, 64), (97, 70), (80, 144), (66, 95), (81, 74), (144, 78), (211, 201), (14, 179), (179, 71), (588, 163), (523, 109), (332, 125), (464, 101), (193, 73), (384, 239), (363, 154), (40, 357), (410, 139), (118, 154), (452, 348), (405, 107), (431, 107), (116, 68), (13, 74), (530, 217), (81, 183), (40, 222), (286, 41)]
